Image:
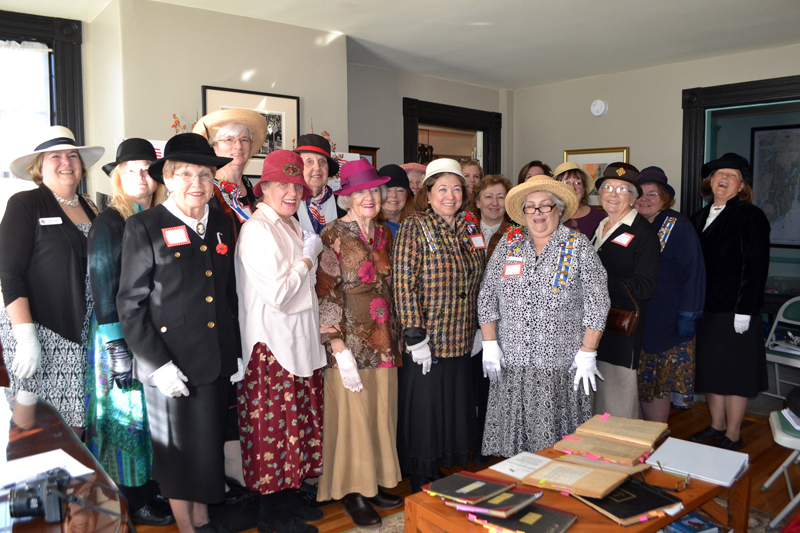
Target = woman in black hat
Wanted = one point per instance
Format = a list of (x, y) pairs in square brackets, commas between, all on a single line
[(177, 305), (734, 235), (398, 204), (318, 166), (116, 417)]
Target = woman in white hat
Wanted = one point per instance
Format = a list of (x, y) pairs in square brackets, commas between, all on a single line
[(43, 268)]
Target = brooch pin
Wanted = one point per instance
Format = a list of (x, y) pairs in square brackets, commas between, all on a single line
[(222, 248)]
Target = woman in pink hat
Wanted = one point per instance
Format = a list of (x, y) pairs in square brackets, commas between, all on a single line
[(355, 295)]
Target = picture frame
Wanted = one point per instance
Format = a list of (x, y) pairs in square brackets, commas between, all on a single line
[(368, 152), (595, 160), (776, 185), (281, 111)]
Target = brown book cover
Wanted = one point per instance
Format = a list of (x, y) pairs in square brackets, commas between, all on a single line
[(642, 432), (532, 519), (603, 449), (502, 505), (632, 502), (575, 479)]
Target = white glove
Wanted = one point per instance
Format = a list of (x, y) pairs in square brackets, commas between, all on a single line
[(29, 351), (741, 323), (239, 375), (170, 380), (586, 365), (421, 354), (312, 246), (348, 369), (492, 360)]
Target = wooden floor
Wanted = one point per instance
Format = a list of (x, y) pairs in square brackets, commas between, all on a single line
[(765, 457)]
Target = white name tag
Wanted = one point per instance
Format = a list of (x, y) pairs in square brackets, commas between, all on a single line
[(50, 221), (512, 269), (623, 239), (514, 259), (478, 241), (177, 236)]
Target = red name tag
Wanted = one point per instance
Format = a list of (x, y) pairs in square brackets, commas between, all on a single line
[(478, 241), (512, 269), (623, 239), (177, 236)]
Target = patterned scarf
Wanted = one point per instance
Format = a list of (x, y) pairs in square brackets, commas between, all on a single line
[(315, 209)]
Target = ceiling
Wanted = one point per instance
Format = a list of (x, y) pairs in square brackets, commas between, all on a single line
[(511, 44)]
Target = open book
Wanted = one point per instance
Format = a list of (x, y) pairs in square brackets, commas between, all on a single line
[(575, 479)]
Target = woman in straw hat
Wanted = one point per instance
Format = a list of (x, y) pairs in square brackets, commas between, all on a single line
[(177, 306), (586, 218), (43, 267), (542, 309), (280, 398)]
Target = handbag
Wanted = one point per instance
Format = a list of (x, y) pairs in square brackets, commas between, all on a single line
[(623, 320)]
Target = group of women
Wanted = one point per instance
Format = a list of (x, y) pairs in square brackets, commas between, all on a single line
[(461, 320)]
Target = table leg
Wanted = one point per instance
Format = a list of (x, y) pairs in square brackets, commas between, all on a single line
[(739, 503)]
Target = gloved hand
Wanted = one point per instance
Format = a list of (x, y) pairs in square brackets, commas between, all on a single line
[(29, 351), (119, 363), (312, 246), (741, 323), (686, 328), (421, 354), (348, 369), (492, 360), (585, 364), (239, 375), (170, 380)]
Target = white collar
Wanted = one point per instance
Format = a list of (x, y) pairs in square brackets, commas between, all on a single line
[(598, 238), (192, 223)]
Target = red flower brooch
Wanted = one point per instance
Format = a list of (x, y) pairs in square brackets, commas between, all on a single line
[(469, 217), (222, 248)]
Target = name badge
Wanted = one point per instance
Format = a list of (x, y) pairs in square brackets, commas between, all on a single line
[(50, 221), (177, 236), (478, 241), (623, 239), (512, 269), (514, 259)]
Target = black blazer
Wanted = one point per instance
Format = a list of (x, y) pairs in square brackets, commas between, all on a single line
[(178, 303), (736, 253), (43, 259), (636, 264)]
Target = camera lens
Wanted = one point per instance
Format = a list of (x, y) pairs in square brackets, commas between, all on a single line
[(25, 503)]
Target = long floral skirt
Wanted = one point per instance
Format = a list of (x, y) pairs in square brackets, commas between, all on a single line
[(280, 424)]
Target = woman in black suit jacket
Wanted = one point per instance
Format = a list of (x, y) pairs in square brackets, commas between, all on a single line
[(628, 247), (177, 306)]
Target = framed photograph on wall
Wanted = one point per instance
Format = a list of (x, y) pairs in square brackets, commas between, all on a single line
[(368, 152), (595, 160), (281, 112), (775, 159)]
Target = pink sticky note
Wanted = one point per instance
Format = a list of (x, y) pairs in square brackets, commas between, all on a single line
[(605, 417), (643, 518), (564, 493), (570, 437), (607, 461), (592, 457), (641, 460), (568, 452)]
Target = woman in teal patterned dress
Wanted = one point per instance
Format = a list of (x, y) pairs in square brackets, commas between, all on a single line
[(116, 416)]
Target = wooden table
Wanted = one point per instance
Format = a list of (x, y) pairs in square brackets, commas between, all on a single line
[(37, 428), (427, 514)]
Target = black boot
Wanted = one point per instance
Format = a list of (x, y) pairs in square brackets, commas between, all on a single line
[(274, 518), (299, 507)]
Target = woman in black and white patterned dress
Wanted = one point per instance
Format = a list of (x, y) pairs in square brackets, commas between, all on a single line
[(542, 309)]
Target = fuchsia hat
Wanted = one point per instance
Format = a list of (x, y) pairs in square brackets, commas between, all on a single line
[(359, 175), (283, 166)]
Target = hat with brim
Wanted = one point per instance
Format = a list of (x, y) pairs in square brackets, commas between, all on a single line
[(656, 175), (49, 140), (283, 166), (516, 197), (569, 165), (359, 175), (311, 142), (620, 171), (729, 160), (211, 123), (441, 166), (133, 149), (397, 177), (414, 167), (187, 148)]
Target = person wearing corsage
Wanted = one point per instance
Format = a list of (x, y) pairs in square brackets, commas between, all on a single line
[(43, 237), (117, 432), (177, 306), (542, 309), (357, 319), (437, 263), (281, 396), (320, 208)]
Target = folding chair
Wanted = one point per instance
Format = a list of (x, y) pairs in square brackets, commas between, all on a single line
[(787, 319)]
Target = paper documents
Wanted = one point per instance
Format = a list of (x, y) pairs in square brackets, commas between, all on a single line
[(520, 465)]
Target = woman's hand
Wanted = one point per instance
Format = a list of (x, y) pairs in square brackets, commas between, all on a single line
[(170, 380), (312, 246), (28, 352), (120, 365), (421, 354), (585, 364), (741, 323), (492, 360), (348, 369)]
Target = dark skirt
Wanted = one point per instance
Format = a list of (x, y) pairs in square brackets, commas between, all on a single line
[(730, 363), (436, 425), (188, 434)]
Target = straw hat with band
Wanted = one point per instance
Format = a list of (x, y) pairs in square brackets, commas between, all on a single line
[(516, 197), (49, 140), (441, 166), (620, 171), (397, 177), (187, 148), (283, 166), (656, 175), (359, 175), (311, 142), (729, 160), (211, 123), (569, 165), (133, 149)]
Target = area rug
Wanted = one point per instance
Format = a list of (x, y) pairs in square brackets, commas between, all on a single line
[(391, 524)]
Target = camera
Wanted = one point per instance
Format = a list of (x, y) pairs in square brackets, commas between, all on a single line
[(40, 496)]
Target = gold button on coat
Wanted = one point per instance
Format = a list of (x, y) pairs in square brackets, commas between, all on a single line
[(208, 273), (210, 324), (177, 254), (203, 248), (163, 329), (209, 299)]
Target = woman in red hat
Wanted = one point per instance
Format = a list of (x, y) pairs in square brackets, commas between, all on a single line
[(280, 398)]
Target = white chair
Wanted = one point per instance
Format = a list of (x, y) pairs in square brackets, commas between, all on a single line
[(793, 443), (787, 319)]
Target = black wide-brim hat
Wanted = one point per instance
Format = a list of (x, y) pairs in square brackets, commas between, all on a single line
[(729, 160), (133, 149), (397, 177), (311, 142), (620, 171), (187, 148)]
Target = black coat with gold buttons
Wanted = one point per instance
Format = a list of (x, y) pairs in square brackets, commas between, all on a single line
[(177, 296)]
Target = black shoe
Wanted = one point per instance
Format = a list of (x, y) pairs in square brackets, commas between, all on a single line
[(211, 527), (728, 444), (478, 459), (707, 435), (237, 495), (150, 515), (274, 518), (384, 500), (159, 501), (297, 506), (360, 511)]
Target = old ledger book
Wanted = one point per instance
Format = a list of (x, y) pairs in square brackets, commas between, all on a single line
[(532, 519), (604, 449), (575, 479), (632, 502), (640, 432), (468, 488)]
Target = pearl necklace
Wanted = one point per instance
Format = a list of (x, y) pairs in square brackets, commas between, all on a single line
[(72, 203)]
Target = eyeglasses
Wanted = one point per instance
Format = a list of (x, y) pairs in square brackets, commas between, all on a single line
[(622, 191), (652, 194), (680, 485), (572, 183), (232, 140), (530, 210), (203, 177)]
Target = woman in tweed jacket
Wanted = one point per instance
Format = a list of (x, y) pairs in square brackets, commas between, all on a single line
[(438, 263)]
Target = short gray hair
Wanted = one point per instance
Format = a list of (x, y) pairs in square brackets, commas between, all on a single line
[(231, 129), (346, 202), (561, 205)]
